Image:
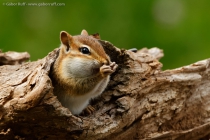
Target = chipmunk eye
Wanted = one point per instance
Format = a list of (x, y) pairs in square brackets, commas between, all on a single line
[(84, 50)]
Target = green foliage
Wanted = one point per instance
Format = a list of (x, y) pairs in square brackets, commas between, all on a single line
[(180, 28)]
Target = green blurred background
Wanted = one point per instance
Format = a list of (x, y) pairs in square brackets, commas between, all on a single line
[(180, 27)]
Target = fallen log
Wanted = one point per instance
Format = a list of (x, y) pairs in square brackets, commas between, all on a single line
[(140, 102)]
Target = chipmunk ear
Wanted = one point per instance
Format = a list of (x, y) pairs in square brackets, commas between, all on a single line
[(65, 38), (96, 35), (84, 32)]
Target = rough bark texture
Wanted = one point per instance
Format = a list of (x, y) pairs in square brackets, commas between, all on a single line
[(140, 102), (13, 58)]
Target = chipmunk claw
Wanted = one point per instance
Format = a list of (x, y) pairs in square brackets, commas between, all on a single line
[(108, 69), (88, 110), (114, 66)]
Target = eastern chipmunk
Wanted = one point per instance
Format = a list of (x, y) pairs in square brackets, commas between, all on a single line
[(81, 71)]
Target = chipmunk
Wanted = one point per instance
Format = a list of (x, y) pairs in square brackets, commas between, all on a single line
[(81, 72)]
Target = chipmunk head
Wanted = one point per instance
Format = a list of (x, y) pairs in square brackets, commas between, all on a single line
[(81, 55)]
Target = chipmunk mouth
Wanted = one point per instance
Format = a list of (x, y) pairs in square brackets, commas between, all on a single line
[(95, 70), (97, 65)]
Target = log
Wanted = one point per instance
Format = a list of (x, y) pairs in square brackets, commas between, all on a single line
[(13, 58), (140, 102)]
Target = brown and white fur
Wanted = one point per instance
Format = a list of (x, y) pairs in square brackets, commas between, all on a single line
[(81, 71)]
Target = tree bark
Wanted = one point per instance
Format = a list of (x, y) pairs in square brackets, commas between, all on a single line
[(140, 102)]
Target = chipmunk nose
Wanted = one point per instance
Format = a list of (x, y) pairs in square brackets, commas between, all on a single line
[(106, 62)]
